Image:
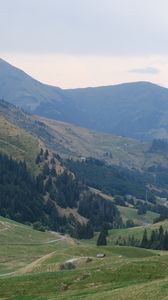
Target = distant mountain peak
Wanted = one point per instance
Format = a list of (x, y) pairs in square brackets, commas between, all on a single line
[(137, 109)]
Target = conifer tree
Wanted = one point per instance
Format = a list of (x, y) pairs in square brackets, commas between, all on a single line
[(165, 242), (102, 241), (144, 242)]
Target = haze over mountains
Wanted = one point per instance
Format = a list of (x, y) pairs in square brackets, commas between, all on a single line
[(137, 110)]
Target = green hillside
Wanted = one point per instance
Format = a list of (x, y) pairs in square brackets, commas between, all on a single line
[(20, 245), (129, 213), (17, 143), (36, 263)]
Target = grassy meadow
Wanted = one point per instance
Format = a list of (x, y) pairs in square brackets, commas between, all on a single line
[(30, 267)]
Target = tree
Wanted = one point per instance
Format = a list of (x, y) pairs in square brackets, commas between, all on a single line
[(153, 239), (46, 154), (144, 242), (102, 241), (165, 241), (161, 237)]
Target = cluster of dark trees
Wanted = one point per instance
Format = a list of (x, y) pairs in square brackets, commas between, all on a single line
[(22, 197), (43, 155), (99, 211), (78, 230), (113, 180), (102, 238), (117, 180), (65, 190), (158, 239), (19, 198), (35, 200)]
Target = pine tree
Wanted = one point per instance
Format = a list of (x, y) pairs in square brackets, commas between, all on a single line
[(46, 154), (165, 242), (102, 241), (153, 239), (144, 242), (161, 238)]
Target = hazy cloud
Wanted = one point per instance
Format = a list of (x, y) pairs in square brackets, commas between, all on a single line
[(93, 42), (98, 27), (148, 70)]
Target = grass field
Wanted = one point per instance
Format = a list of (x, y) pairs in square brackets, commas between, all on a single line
[(21, 245), (124, 272), (128, 213)]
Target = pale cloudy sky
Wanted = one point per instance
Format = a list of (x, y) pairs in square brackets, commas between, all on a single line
[(75, 43)]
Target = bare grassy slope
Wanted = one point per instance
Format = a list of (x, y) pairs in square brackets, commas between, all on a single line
[(82, 142), (18, 143)]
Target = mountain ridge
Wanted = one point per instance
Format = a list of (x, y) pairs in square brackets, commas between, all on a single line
[(138, 110)]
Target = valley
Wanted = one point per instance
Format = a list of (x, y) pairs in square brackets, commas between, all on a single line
[(83, 150), (65, 180)]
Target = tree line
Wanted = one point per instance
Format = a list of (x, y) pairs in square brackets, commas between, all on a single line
[(157, 239)]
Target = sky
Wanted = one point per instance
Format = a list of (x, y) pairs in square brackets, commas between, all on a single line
[(79, 43)]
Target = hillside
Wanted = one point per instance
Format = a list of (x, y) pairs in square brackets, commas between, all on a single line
[(17, 143), (115, 165), (138, 110), (51, 189), (136, 231), (72, 141), (129, 157), (38, 265), (48, 265)]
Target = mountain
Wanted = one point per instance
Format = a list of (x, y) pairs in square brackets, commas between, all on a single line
[(51, 194), (69, 140), (22, 90), (58, 195), (137, 110)]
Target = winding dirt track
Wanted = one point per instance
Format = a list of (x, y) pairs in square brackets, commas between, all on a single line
[(36, 262), (35, 244)]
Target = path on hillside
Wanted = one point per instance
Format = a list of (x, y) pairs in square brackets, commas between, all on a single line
[(30, 266), (35, 263), (35, 244)]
